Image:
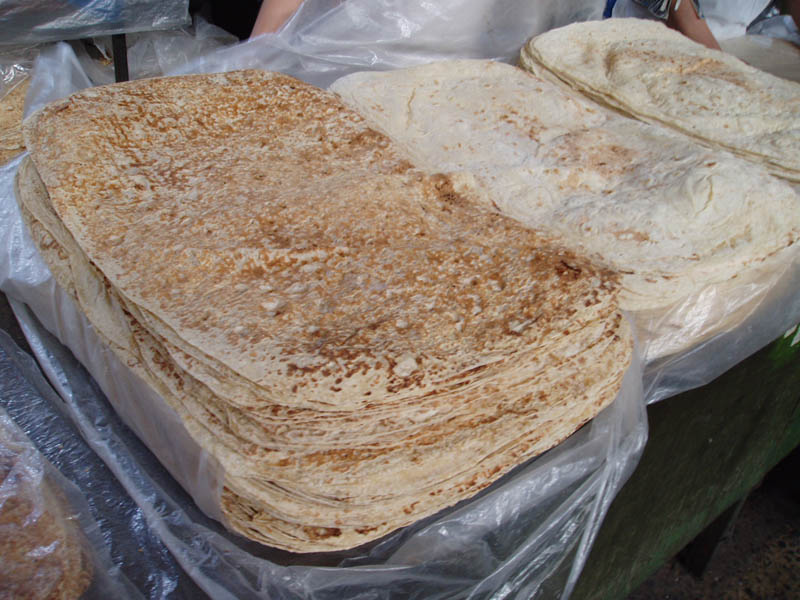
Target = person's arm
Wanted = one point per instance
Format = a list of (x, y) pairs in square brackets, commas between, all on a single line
[(793, 8), (686, 20), (273, 14)]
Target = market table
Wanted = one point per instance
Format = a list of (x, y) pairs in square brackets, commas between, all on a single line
[(706, 449)]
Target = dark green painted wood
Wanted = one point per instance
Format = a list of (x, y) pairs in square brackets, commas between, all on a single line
[(8, 323), (706, 449)]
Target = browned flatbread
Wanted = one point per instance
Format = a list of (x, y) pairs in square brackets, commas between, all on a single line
[(357, 344)]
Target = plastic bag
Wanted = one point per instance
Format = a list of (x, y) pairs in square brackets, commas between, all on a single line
[(527, 535), (36, 21), (16, 63), (49, 538), (778, 26)]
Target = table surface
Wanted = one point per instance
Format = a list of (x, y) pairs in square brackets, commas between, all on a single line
[(706, 449)]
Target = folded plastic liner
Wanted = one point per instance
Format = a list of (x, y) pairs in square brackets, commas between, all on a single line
[(526, 536), (36, 21), (766, 306)]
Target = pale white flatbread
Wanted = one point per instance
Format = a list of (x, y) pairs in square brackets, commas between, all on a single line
[(656, 74)]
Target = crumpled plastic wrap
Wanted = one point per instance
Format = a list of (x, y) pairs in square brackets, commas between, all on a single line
[(725, 325), (16, 63), (49, 539), (36, 21), (777, 26)]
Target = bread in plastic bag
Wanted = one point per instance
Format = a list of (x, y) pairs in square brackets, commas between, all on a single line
[(50, 544)]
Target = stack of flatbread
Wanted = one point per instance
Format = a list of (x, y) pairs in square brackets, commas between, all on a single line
[(356, 343), (671, 216), (651, 72), (43, 550)]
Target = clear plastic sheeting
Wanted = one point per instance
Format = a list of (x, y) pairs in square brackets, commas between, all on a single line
[(726, 325), (57, 73), (777, 26), (327, 39), (49, 536), (36, 21), (154, 53), (16, 63)]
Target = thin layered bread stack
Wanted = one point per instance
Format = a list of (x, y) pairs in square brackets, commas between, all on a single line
[(672, 217), (45, 554), (355, 343), (648, 71)]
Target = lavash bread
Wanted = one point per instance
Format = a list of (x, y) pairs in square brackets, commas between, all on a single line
[(654, 73), (44, 554), (11, 110), (356, 343), (672, 217)]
